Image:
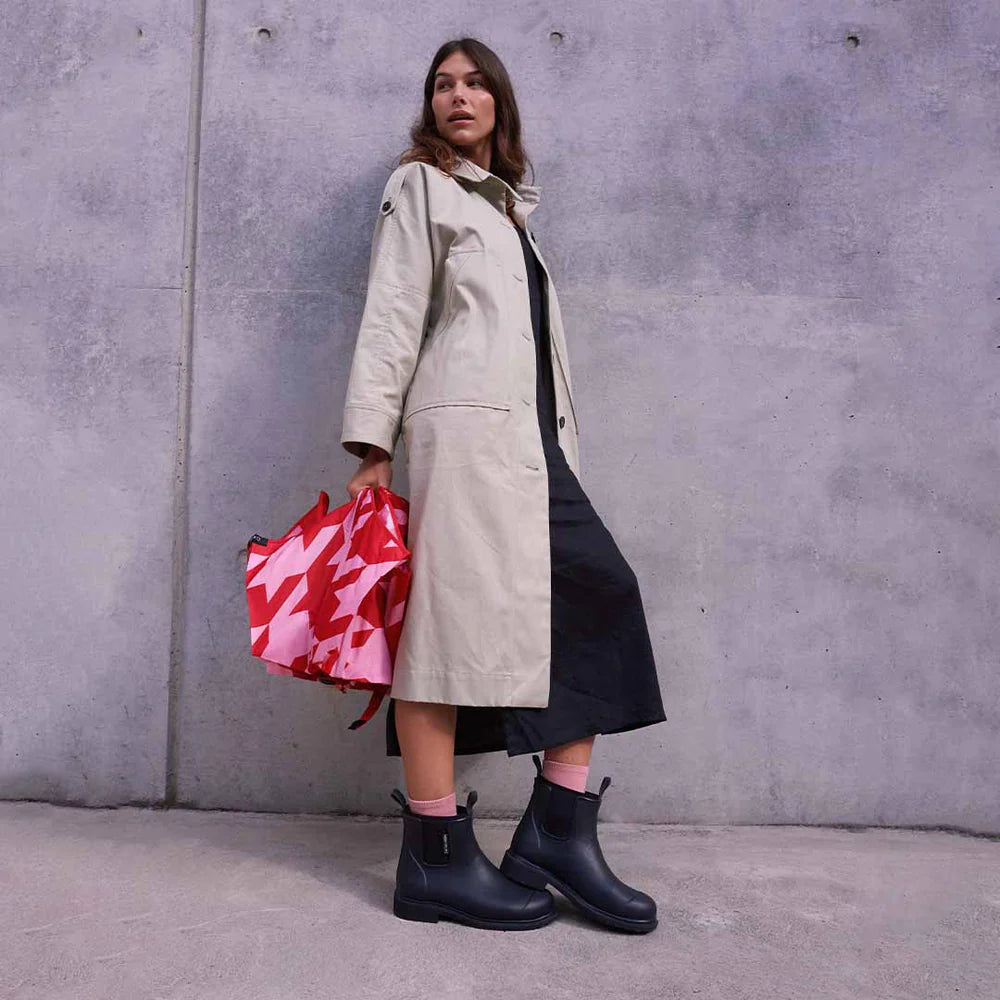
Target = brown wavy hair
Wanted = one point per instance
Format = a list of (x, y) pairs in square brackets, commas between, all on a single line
[(507, 157)]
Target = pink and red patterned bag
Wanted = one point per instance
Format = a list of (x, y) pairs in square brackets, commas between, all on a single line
[(327, 599)]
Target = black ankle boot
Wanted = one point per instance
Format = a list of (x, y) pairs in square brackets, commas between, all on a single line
[(443, 872), (556, 841)]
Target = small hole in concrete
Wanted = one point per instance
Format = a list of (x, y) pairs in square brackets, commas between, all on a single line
[(852, 41), (556, 37), (264, 33)]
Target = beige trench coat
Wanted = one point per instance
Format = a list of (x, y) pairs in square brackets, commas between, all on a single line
[(445, 355)]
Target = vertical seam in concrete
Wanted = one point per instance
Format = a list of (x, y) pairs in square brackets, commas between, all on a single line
[(183, 434)]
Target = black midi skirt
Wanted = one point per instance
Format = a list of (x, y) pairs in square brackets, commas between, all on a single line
[(603, 676)]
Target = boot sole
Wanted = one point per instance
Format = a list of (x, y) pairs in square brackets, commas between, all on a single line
[(530, 874), (417, 909)]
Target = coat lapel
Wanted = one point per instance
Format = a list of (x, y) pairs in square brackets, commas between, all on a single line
[(526, 196)]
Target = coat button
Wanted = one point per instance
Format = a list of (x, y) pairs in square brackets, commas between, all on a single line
[(386, 205), (562, 421)]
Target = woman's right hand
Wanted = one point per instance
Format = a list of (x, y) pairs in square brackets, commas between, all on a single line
[(375, 470)]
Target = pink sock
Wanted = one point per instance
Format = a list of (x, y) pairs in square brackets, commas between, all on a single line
[(568, 775), (444, 806)]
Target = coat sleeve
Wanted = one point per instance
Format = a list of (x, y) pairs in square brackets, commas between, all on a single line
[(400, 276)]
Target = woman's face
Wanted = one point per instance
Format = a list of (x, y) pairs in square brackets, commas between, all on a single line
[(459, 89)]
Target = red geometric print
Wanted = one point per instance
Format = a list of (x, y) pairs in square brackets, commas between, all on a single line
[(327, 600)]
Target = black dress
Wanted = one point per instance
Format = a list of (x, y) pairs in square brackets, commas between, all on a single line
[(603, 676)]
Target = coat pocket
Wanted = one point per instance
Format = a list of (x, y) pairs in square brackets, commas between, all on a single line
[(456, 402), (455, 434)]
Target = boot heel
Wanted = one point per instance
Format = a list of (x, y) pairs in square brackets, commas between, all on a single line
[(523, 871), (410, 909)]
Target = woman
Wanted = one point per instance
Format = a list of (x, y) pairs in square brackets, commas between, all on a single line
[(524, 626)]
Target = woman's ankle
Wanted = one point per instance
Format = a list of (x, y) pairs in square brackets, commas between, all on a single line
[(444, 806), (568, 775)]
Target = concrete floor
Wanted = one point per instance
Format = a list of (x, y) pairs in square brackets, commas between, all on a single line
[(138, 903)]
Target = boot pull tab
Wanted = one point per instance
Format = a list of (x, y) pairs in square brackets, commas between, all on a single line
[(471, 800), (604, 784), (538, 762), (399, 797)]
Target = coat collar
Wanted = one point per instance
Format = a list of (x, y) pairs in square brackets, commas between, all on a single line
[(526, 196)]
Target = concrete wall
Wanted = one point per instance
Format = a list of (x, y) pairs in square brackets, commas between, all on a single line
[(776, 253)]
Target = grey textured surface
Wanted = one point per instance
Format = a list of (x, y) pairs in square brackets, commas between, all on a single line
[(94, 121), (776, 261), (177, 904)]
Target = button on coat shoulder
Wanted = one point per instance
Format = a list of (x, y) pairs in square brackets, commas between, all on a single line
[(445, 358)]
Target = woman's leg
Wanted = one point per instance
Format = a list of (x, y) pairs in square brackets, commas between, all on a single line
[(426, 733), (577, 752), (442, 873), (569, 764)]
